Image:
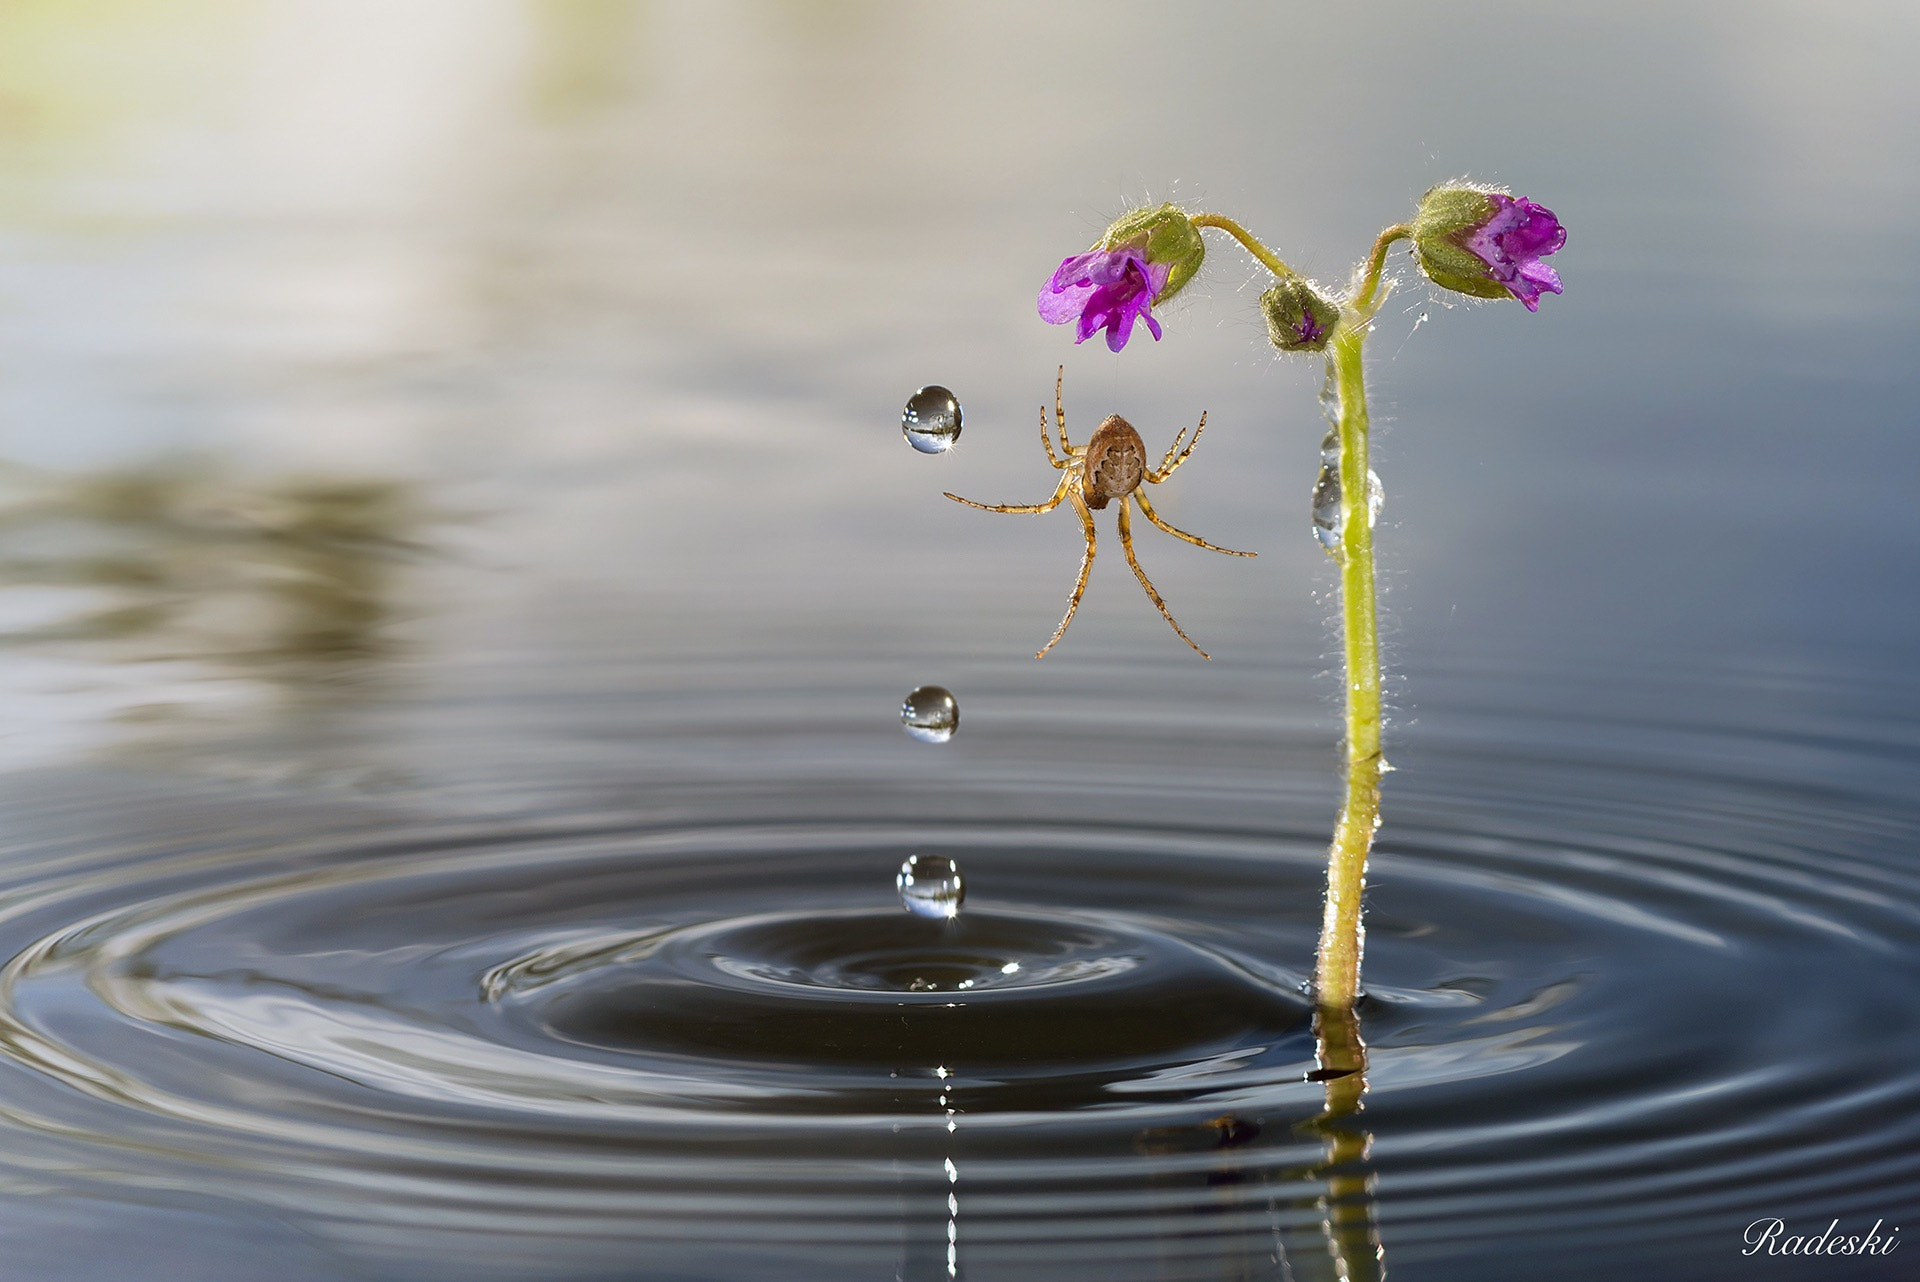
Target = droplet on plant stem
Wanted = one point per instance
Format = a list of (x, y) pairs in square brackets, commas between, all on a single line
[(1330, 399), (931, 420), (1326, 504), (1327, 495), (930, 714), (931, 886)]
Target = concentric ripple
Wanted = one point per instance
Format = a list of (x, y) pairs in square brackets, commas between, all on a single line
[(1643, 990)]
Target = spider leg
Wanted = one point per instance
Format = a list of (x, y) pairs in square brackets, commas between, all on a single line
[(1151, 515), (1086, 565), (1171, 461), (1066, 482), (1047, 445), (1126, 545), (1175, 455), (1060, 411)]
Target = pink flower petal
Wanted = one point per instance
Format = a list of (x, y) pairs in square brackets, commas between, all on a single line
[(1103, 289), (1513, 240)]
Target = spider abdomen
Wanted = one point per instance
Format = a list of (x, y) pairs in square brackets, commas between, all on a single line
[(1115, 461)]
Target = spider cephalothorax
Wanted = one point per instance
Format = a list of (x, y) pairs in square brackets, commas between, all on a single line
[(1110, 466)]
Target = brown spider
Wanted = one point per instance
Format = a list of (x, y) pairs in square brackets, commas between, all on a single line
[(1109, 466)]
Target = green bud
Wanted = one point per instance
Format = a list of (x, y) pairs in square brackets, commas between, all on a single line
[(1164, 235), (1299, 317), (1448, 215)]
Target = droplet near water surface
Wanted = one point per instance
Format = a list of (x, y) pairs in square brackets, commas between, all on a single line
[(931, 420), (931, 886), (931, 714)]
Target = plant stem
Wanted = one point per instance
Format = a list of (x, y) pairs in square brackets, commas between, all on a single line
[(1370, 275), (1337, 967), (1268, 259)]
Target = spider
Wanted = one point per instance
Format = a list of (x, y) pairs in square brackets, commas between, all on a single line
[(1109, 466)]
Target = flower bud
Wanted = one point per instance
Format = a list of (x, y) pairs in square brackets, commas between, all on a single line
[(1299, 317), (1164, 235), (1486, 243)]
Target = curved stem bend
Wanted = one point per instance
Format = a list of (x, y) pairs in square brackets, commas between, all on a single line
[(1363, 300), (1268, 259)]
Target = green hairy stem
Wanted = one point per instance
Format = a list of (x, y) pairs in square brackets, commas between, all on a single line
[(1342, 934)]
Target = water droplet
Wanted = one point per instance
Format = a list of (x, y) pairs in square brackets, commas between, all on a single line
[(931, 886), (1326, 495), (930, 714), (1326, 510), (931, 420)]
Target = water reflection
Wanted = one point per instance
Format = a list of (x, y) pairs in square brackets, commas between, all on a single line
[(1348, 1221), (1315, 1220), (290, 581)]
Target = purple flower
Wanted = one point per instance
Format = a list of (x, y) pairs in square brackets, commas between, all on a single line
[(1105, 289), (1512, 241)]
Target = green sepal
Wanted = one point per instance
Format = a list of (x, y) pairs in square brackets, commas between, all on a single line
[(1165, 235), (1293, 307), (1448, 215)]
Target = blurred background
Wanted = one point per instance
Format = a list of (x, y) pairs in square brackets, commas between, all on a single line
[(351, 350), (450, 403)]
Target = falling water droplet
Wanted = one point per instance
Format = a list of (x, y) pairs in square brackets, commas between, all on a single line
[(1326, 496), (931, 420), (930, 714), (931, 886)]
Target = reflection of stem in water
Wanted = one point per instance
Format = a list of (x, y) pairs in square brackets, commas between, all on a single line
[(1352, 1232), (1344, 1233)]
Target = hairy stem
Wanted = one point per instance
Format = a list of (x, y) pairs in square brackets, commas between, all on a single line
[(1268, 259), (1337, 967), (1370, 275)]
